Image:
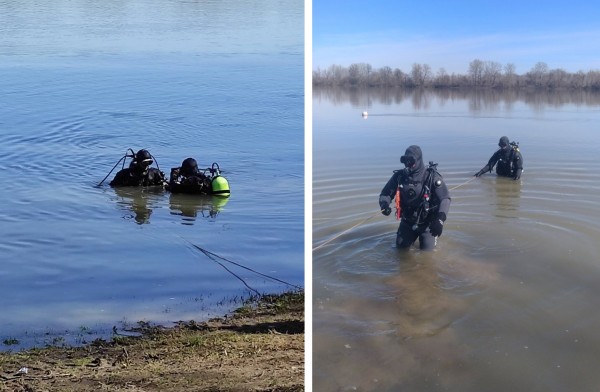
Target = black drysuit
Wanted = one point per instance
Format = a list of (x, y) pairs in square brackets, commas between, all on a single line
[(509, 160), (196, 183), (423, 203), (134, 175)]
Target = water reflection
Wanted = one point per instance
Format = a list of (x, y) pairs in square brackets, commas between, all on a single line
[(138, 202), (485, 99), (504, 194), (189, 207)]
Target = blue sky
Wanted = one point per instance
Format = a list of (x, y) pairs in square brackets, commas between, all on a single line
[(450, 34)]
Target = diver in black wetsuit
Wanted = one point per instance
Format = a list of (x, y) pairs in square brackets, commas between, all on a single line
[(424, 201), (139, 172), (509, 159), (189, 179)]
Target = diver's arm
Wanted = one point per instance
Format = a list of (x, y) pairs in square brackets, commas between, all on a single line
[(388, 192)]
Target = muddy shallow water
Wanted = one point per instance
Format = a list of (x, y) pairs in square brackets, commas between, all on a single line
[(507, 300)]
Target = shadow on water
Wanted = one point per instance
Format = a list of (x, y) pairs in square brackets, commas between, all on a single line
[(137, 203), (505, 195), (192, 207)]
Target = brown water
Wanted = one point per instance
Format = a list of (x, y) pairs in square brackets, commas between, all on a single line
[(509, 299)]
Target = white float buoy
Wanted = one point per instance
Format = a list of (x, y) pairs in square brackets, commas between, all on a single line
[(365, 114)]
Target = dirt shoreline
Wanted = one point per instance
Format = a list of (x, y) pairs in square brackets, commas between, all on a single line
[(259, 347)]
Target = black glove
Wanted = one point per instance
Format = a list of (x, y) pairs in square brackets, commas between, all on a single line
[(480, 172), (517, 175), (385, 208), (437, 225)]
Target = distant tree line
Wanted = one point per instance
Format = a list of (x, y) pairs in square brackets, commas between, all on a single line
[(478, 99), (481, 74)]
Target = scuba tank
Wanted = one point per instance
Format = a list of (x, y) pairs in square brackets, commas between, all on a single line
[(219, 184), (425, 207)]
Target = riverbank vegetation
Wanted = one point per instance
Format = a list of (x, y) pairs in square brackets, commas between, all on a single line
[(480, 74), (259, 347)]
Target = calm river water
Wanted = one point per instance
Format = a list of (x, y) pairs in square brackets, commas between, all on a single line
[(80, 83), (509, 299)]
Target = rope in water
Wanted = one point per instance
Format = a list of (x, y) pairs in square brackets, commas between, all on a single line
[(464, 183), (371, 217), (214, 257)]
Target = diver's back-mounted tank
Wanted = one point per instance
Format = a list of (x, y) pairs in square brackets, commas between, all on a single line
[(220, 185)]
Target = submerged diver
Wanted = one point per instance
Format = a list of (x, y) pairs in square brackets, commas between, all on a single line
[(509, 159), (139, 172), (189, 179), (422, 201)]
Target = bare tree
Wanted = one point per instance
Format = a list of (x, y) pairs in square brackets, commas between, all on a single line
[(336, 73), (359, 73), (420, 74), (400, 78), (442, 78), (488, 74), (416, 74), (491, 73), (579, 79), (510, 75), (427, 74), (476, 72), (538, 74), (386, 76), (593, 80), (557, 78)]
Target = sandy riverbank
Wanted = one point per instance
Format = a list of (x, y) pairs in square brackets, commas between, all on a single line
[(259, 347)]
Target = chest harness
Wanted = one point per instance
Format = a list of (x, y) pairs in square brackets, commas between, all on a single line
[(508, 162), (418, 205)]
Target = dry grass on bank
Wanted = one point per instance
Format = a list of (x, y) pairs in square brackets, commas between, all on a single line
[(260, 347)]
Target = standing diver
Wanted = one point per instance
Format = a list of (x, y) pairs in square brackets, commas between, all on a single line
[(509, 159), (422, 201)]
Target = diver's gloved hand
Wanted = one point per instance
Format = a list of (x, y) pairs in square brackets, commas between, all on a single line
[(480, 172), (437, 225), (385, 208), (517, 175)]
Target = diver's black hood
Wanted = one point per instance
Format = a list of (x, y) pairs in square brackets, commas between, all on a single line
[(415, 152), (505, 150)]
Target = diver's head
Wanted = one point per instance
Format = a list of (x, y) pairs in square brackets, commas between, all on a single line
[(189, 167), (141, 161), (412, 159), (503, 143), (408, 161)]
